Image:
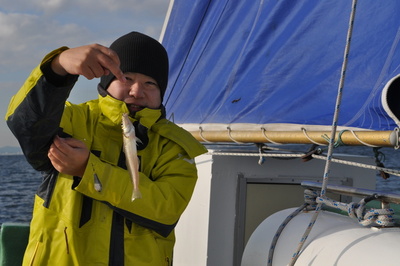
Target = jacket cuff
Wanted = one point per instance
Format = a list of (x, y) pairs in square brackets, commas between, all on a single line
[(51, 76)]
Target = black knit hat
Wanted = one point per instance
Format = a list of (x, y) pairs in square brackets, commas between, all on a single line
[(140, 53)]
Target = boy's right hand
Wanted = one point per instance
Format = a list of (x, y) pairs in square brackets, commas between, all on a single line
[(90, 61)]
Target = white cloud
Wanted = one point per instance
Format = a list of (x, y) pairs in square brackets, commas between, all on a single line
[(27, 37), (54, 7), (50, 24), (31, 29)]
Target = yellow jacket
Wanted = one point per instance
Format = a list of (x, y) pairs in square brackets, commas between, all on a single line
[(73, 224)]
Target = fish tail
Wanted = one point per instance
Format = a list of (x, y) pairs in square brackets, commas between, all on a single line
[(136, 194)]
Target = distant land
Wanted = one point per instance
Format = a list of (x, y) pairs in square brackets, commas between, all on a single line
[(8, 150)]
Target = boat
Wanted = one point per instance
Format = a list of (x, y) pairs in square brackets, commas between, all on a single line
[(274, 89)]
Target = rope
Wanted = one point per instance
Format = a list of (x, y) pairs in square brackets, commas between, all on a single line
[(339, 141), (362, 142), (361, 165), (333, 134), (316, 156), (260, 153), (201, 135), (230, 136), (309, 204), (310, 139), (263, 130), (372, 217), (279, 232)]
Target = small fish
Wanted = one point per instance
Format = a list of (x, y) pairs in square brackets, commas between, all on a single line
[(130, 150)]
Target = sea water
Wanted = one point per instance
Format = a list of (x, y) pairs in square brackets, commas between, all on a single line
[(19, 182)]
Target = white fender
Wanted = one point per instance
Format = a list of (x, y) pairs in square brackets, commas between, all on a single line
[(334, 240)]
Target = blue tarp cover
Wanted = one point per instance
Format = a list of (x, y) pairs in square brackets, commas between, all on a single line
[(267, 62)]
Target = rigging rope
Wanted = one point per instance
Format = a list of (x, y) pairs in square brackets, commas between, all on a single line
[(372, 217), (333, 133), (316, 156)]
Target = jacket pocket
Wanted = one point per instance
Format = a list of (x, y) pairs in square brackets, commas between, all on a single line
[(37, 253)]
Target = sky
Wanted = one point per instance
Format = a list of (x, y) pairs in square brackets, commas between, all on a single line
[(31, 29)]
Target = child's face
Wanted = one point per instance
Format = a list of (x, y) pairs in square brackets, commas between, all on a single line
[(139, 91)]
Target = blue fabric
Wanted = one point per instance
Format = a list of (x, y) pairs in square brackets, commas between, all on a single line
[(254, 61)]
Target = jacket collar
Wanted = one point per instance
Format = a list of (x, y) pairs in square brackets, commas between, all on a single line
[(113, 110)]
